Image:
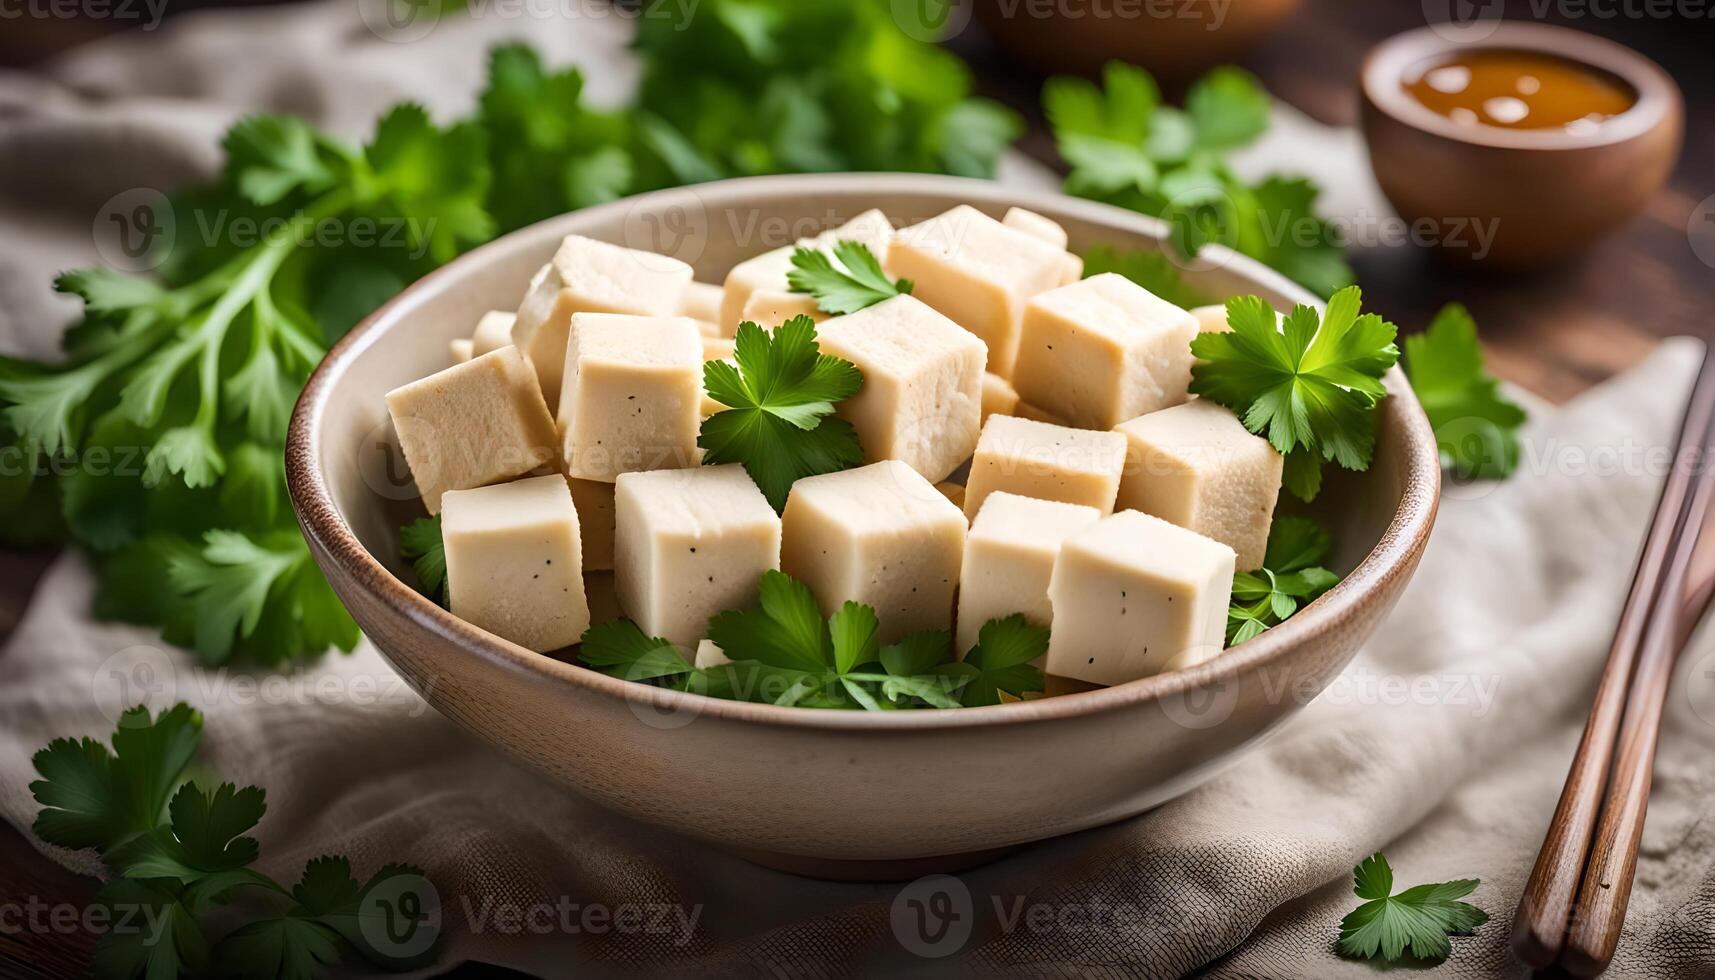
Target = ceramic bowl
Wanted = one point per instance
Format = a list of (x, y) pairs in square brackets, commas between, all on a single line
[(1177, 41), (830, 793), (1544, 194)]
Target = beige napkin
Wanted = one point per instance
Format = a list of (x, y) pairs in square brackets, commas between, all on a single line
[(1444, 743)]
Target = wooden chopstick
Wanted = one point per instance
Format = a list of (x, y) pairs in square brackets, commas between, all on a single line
[(1540, 926), (1600, 912)]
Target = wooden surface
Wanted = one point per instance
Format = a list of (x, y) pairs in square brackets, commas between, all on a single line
[(1556, 332)]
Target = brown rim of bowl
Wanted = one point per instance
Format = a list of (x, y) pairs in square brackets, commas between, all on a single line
[(1388, 62), (1400, 545)]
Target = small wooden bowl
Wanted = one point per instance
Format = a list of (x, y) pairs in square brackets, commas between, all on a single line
[(1175, 41), (831, 793), (1543, 195)]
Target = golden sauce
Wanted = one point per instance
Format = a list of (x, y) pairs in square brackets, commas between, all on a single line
[(1519, 90)]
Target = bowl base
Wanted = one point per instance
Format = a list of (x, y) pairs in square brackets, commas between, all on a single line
[(900, 869)]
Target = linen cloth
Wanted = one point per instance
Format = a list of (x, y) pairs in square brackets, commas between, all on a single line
[(1445, 742)]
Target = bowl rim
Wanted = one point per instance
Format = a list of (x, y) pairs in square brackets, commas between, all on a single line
[(1658, 98), (327, 530)]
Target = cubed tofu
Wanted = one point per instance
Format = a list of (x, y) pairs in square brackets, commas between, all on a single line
[(921, 400), (1211, 319), (999, 397), (493, 332), (1045, 461), (1035, 225), (768, 270), (514, 562), (460, 350), (589, 276), (1198, 466), (632, 395), (1025, 410), (702, 302), (979, 272), (688, 544), (709, 654), (717, 348), (1009, 560), (772, 307), (1133, 596), (594, 500), (1104, 350), (475, 423), (881, 535)]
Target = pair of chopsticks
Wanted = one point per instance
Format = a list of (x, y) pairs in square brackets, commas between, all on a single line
[(1574, 904)]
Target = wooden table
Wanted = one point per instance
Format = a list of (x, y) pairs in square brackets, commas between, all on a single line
[(1556, 332)]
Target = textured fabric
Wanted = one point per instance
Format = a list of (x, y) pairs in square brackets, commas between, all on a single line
[(1445, 742)]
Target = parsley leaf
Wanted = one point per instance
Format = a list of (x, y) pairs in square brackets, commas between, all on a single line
[(780, 397), (175, 869), (421, 542), (1291, 576), (265, 590), (1000, 662), (1125, 148), (1310, 385), (858, 285), (1419, 919), (620, 649), (1475, 425)]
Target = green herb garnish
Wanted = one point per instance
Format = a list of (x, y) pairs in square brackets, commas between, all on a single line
[(1418, 919), (781, 398), (857, 284), (1291, 576), (179, 854), (421, 542), (1475, 425), (1310, 386)]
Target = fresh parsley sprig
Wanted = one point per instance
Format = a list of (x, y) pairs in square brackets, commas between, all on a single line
[(857, 284), (178, 854), (1310, 385), (1475, 425), (1125, 147), (421, 542), (1418, 919), (784, 652), (1291, 577), (780, 400)]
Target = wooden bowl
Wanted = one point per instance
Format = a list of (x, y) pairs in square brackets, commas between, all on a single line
[(1546, 194), (1177, 41), (831, 793)]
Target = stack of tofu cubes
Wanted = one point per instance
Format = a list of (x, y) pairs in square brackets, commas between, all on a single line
[(1098, 499)]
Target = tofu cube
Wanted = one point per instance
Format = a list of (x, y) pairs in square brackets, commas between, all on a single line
[(979, 272), (1197, 466), (768, 270), (589, 276), (688, 544), (1035, 225), (460, 350), (1045, 461), (1211, 319), (594, 501), (1009, 560), (1025, 410), (717, 348), (632, 395), (1133, 596), (921, 400), (702, 302), (709, 654), (999, 397), (772, 307), (475, 423), (493, 332), (1104, 350), (881, 535), (514, 562)]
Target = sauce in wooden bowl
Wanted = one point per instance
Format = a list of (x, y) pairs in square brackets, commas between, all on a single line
[(1518, 90)]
